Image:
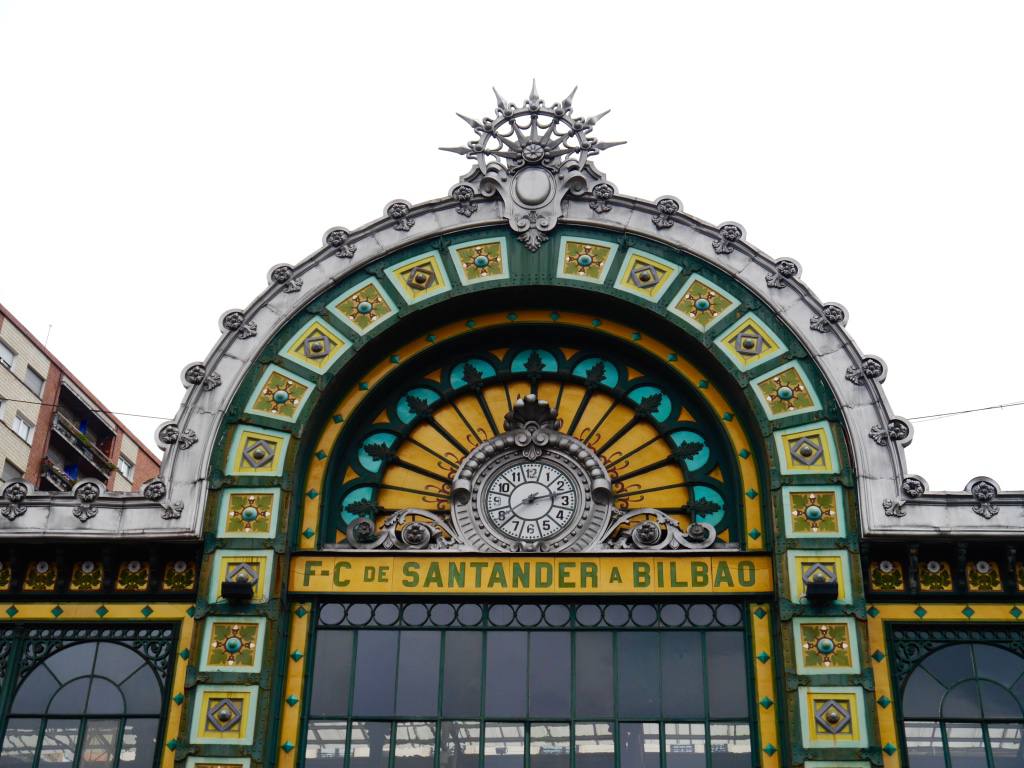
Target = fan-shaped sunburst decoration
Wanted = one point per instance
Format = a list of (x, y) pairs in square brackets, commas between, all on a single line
[(532, 155)]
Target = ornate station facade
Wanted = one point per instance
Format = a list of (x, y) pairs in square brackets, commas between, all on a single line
[(532, 475)]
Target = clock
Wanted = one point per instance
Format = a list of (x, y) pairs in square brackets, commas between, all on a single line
[(531, 489)]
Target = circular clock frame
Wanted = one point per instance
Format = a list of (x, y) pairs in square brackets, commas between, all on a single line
[(572, 457)]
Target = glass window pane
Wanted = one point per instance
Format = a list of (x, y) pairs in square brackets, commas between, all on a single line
[(116, 662), (99, 743), (594, 745), (682, 675), (638, 673), (1005, 741), (414, 745), (35, 692), (70, 700), (419, 666), (685, 745), (73, 661), (504, 745), (550, 669), (369, 745), (106, 699), (639, 745), (730, 745), (60, 740), (727, 667), (997, 703), (463, 653), (924, 745), (325, 744), (141, 691), (138, 744), (549, 745), (376, 661), (951, 664), (332, 669), (594, 689), (506, 674), (997, 663), (966, 745), (20, 740), (963, 700), (460, 744), (922, 697)]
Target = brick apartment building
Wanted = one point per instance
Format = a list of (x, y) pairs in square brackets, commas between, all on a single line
[(53, 431)]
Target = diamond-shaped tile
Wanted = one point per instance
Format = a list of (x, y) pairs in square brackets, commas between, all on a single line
[(889, 749), (179, 698), (287, 746), (191, 611), (727, 416), (12, 611), (309, 533), (337, 418), (920, 612), (102, 611), (296, 655), (702, 384), (744, 453), (321, 455), (56, 611), (312, 493), (146, 611), (884, 701), (301, 612), (172, 744), (511, 317), (766, 702), (395, 359), (763, 657), (967, 611), (431, 338), (754, 534), (1016, 612), (760, 612), (878, 656), (770, 749), (873, 612), (292, 700), (223, 714), (471, 323), (184, 653), (751, 493)]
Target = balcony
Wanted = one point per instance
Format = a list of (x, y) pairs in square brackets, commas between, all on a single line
[(81, 444), (55, 476)]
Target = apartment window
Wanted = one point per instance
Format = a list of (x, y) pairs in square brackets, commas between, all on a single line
[(34, 381), (24, 428), (11, 472), (125, 467), (6, 355)]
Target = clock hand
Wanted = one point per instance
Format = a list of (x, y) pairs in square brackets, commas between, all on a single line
[(530, 499)]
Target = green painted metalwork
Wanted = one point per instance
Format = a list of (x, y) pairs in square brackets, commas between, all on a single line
[(452, 734)]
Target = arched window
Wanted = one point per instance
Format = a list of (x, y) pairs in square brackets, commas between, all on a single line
[(90, 704), (963, 707)]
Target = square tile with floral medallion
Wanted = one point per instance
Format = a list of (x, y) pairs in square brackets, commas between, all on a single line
[(583, 259)]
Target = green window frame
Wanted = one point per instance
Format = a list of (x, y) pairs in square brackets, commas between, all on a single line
[(84, 695), (961, 697), (361, 711)]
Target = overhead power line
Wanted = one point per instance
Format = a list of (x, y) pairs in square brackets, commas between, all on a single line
[(929, 417), (92, 410), (934, 416)]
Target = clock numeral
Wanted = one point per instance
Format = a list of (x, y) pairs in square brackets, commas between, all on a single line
[(561, 514), (505, 487)]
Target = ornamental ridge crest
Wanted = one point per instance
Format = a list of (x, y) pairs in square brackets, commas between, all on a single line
[(531, 156)]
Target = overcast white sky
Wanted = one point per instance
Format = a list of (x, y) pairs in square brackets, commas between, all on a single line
[(156, 158)]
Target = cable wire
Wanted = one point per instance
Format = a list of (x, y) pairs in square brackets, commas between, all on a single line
[(92, 410), (935, 416)]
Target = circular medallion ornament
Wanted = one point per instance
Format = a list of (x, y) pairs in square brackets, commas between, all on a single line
[(532, 489)]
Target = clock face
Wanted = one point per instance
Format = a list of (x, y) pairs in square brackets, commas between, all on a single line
[(531, 500)]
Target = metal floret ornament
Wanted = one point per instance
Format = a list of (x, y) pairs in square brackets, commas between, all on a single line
[(532, 156)]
